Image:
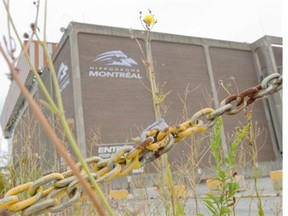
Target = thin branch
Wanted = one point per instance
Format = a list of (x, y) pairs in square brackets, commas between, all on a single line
[(24, 49)]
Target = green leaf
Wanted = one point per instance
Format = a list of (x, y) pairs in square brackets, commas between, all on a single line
[(211, 207), (215, 142), (179, 209), (222, 175), (234, 186), (226, 160), (224, 211), (215, 199)]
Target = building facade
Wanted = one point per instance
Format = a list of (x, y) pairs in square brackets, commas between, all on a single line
[(106, 91)]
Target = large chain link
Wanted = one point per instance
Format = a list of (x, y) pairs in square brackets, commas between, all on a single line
[(57, 191)]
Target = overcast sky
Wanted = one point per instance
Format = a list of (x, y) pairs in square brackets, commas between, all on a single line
[(233, 20)]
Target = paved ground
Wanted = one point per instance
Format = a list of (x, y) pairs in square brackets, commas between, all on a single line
[(246, 204)]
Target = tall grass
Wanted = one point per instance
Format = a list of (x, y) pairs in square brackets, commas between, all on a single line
[(222, 201)]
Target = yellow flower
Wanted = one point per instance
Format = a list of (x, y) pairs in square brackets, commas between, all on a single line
[(149, 20)]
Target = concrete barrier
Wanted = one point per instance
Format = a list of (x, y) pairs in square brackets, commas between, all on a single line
[(276, 177), (215, 184), (180, 191), (118, 194)]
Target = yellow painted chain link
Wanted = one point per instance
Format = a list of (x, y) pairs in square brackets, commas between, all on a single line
[(45, 193), (20, 205)]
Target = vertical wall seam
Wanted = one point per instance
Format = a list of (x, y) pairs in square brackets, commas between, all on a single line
[(77, 92)]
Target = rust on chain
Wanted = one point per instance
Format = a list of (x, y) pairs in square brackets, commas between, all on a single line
[(240, 99), (159, 144), (144, 144), (134, 164), (148, 156), (139, 148), (152, 132), (156, 143), (250, 92), (118, 157), (229, 99), (241, 103)]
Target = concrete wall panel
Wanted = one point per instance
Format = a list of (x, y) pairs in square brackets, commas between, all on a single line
[(235, 68), (116, 101)]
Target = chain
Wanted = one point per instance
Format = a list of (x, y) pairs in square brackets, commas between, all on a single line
[(57, 191)]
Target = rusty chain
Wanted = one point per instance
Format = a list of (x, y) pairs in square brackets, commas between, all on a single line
[(57, 191)]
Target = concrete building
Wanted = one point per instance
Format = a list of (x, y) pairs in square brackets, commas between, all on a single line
[(20, 127), (106, 93)]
